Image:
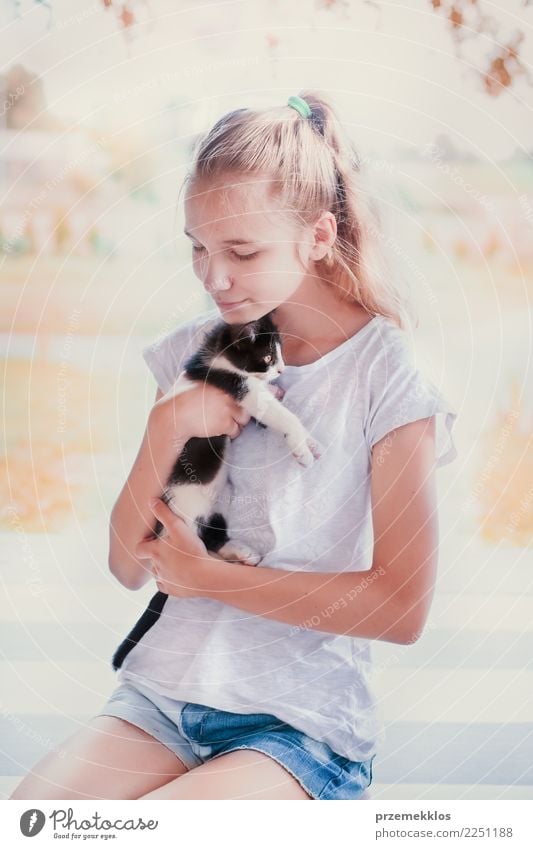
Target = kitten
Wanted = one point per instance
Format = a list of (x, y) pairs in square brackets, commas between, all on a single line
[(241, 359)]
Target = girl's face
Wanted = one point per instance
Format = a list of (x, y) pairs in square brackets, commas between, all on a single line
[(245, 251)]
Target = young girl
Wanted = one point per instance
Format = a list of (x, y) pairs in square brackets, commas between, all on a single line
[(254, 683)]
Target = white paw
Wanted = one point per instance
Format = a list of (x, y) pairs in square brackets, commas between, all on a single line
[(305, 450), (235, 550)]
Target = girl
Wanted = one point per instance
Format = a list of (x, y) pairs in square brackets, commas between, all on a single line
[(254, 683)]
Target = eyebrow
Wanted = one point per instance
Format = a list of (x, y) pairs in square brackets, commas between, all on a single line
[(227, 241)]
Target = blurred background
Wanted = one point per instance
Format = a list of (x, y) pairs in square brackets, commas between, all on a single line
[(99, 107)]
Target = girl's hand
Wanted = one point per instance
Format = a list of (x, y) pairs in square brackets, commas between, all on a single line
[(177, 559), (201, 409)]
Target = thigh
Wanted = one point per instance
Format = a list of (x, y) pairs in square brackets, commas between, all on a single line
[(241, 774), (109, 759)]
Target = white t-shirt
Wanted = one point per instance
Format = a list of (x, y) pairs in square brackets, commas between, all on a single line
[(317, 518)]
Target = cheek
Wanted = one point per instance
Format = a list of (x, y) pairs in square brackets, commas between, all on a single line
[(284, 286), (278, 276), (197, 268)]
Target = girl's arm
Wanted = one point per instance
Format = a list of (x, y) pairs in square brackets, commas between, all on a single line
[(388, 602), (131, 518), (191, 408)]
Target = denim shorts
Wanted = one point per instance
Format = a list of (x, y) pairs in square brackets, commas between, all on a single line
[(197, 733)]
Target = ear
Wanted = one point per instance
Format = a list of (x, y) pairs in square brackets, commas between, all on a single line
[(247, 332), (252, 332), (325, 233)]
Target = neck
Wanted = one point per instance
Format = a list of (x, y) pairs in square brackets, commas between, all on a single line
[(313, 313), (313, 321), (305, 310)]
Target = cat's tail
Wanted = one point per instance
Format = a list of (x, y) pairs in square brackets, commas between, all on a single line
[(149, 618)]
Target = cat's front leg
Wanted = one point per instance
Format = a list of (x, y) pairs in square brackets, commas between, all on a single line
[(236, 550), (262, 405)]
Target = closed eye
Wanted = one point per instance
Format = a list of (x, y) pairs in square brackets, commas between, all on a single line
[(243, 257)]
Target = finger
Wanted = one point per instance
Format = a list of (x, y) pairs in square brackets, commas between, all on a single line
[(162, 511), (240, 425), (242, 417), (234, 430), (145, 549), (239, 412)]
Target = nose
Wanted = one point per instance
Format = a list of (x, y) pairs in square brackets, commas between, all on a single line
[(214, 280), (219, 284)]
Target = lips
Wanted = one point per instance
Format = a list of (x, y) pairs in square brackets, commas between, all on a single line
[(230, 303)]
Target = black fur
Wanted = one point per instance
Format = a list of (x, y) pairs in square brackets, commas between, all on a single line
[(245, 346)]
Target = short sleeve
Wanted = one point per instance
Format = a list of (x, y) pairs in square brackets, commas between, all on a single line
[(407, 395), (166, 356)]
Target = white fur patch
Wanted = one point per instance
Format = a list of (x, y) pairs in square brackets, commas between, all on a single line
[(222, 362), (193, 501)]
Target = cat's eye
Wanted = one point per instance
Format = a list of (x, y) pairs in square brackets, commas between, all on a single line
[(268, 358)]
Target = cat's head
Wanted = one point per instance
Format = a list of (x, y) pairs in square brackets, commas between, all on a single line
[(255, 348)]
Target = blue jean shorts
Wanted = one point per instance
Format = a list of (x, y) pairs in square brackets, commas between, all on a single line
[(198, 733)]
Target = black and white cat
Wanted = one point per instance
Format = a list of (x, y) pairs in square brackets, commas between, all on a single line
[(240, 359)]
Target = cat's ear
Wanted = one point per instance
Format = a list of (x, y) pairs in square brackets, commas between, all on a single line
[(248, 333), (266, 324)]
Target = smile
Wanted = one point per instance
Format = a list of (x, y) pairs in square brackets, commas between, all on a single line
[(226, 305)]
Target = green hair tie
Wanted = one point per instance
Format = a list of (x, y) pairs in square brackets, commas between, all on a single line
[(300, 105)]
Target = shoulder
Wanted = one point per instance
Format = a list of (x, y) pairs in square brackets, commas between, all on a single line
[(392, 363), (165, 356), (388, 347), (400, 391), (384, 356), (189, 331)]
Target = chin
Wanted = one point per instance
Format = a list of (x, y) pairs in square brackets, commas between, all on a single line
[(246, 313), (238, 315)]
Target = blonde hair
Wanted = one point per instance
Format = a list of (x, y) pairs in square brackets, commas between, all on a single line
[(312, 166)]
